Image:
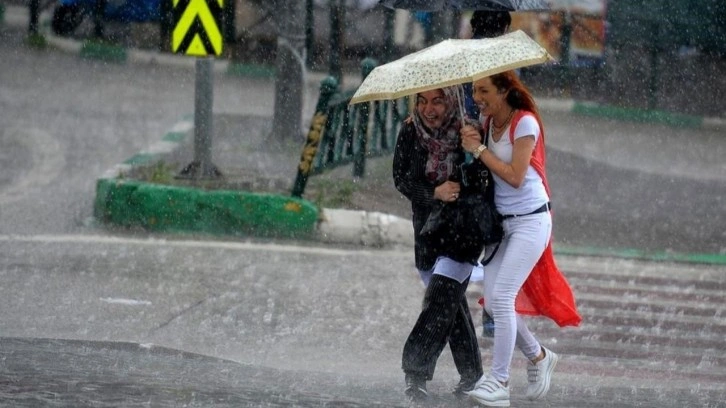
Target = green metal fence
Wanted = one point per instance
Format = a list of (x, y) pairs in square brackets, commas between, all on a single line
[(341, 133)]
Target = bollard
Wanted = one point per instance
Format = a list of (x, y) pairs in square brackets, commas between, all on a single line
[(309, 32), (34, 9), (166, 13), (328, 87), (360, 152), (230, 28), (337, 19), (202, 168), (390, 44), (98, 12)]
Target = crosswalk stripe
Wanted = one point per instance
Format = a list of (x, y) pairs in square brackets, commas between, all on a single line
[(657, 321)]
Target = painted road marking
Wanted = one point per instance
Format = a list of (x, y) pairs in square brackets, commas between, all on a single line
[(97, 239)]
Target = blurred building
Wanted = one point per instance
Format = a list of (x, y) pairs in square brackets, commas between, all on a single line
[(652, 54), (668, 54)]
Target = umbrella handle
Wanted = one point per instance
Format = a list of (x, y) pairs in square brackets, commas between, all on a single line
[(468, 157), (462, 107)]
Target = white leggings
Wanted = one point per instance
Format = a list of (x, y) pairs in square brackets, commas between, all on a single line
[(525, 239)]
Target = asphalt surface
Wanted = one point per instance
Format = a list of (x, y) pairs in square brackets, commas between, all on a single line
[(92, 320), (92, 317)]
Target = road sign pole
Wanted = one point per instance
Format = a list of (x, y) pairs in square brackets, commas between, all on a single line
[(194, 33), (202, 167), (203, 125)]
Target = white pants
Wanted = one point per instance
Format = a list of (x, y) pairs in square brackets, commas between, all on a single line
[(525, 239)]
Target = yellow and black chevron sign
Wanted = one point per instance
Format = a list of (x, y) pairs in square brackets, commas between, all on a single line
[(197, 27)]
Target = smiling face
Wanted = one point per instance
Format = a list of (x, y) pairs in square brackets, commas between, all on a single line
[(431, 107), (488, 98)]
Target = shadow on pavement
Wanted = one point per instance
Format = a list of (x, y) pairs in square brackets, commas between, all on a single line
[(75, 373)]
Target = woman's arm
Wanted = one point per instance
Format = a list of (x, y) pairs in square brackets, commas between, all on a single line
[(513, 173), (407, 175)]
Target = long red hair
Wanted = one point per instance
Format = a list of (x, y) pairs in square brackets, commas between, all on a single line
[(518, 95)]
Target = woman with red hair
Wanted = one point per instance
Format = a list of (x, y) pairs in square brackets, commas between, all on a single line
[(522, 277)]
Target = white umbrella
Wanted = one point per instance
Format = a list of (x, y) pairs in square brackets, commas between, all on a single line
[(448, 63)]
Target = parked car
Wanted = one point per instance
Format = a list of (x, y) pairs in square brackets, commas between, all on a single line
[(69, 14)]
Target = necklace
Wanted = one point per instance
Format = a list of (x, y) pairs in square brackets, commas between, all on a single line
[(501, 127)]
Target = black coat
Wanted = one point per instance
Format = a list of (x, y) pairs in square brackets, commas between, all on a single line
[(409, 163)]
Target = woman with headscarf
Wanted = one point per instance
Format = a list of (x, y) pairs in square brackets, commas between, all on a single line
[(426, 169)]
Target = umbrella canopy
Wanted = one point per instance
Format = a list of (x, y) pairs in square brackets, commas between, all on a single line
[(450, 62), (495, 5)]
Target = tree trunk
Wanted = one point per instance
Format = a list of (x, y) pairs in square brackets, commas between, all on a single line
[(289, 86)]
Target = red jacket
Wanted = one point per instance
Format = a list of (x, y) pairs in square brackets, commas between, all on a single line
[(546, 292)]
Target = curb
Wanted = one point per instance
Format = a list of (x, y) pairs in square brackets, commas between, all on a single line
[(631, 114), (647, 116), (634, 254), (364, 228), (158, 207)]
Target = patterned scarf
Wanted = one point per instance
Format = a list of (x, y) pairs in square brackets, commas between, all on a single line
[(442, 143)]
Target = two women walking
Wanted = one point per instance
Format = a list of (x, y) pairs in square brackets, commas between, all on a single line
[(521, 278)]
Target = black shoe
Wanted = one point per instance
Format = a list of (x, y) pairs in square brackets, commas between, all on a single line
[(416, 389), (464, 386)]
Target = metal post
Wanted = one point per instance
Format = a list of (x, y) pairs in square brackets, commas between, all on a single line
[(290, 85), (337, 16), (203, 97), (361, 151), (653, 79), (202, 167), (166, 11), (565, 39), (34, 13), (390, 45), (309, 32), (230, 27), (98, 18)]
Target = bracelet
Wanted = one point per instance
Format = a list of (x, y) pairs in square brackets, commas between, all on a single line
[(479, 150)]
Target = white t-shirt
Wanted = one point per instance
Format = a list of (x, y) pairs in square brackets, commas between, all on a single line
[(531, 195)]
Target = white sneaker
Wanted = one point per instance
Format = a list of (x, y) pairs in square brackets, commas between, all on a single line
[(539, 375), (490, 393)]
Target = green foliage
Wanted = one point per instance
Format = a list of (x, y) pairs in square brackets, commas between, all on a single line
[(36, 41), (158, 173), (333, 193)]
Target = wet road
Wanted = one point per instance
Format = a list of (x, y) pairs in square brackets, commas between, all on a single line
[(280, 325)]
